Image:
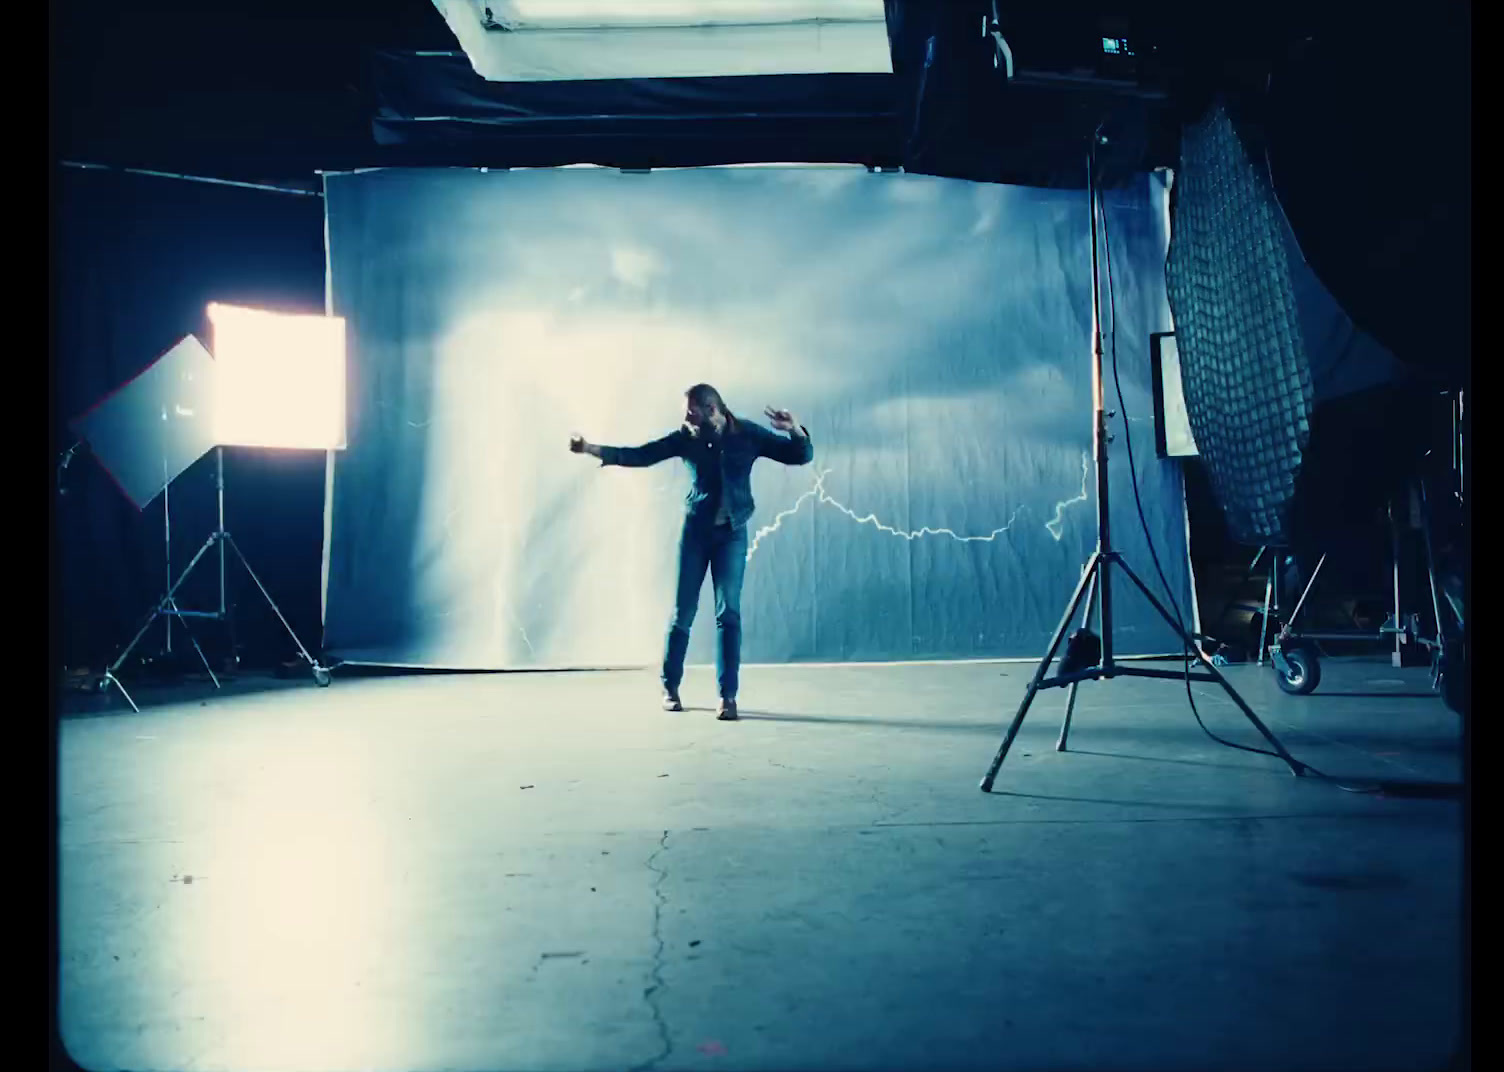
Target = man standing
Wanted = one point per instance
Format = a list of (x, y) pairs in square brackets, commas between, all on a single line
[(719, 449)]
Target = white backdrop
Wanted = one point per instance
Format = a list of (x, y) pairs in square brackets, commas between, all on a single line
[(933, 334)]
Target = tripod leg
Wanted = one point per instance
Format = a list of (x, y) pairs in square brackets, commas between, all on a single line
[(1296, 767), (1397, 659), (1268, 595), (1070, 706), (1087, 576), (1070, 696), (1425, 532), (126, 653), (309, 659), (166, 601), (111, 679), (172, 605)]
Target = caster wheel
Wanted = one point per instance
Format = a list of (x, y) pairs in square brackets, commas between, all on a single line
[(322, 677), (1304, 672)]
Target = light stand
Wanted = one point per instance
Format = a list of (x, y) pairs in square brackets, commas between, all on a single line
[(220, 538), (1084, 661)]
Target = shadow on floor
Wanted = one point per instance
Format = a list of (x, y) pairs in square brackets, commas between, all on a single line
[(1265, 768), (1420, 790), (882, 723), (75, 701), (1053, 798), (1323, 694)]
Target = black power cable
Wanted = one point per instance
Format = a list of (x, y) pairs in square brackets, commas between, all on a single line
[(1101, 210)]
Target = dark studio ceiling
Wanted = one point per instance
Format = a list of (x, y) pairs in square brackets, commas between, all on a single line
[(281, 88), (1366, 119)]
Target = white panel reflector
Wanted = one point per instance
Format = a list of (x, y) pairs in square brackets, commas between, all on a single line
[(281, 379), (1180, 441), (149, 430)]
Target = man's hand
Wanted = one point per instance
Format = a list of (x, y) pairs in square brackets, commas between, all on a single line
[(782, 420), (577, 445)]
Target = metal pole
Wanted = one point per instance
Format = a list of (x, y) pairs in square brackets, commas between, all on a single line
[(1099, 423), (272, 603), (1087, 576), (1425, 531), (1462, 447), (1104, 556), (1394, 545), (1454, 436), (1302, 600), (219, 487), (1268, 595), (167, 551), (1070, 697), (168, 601)]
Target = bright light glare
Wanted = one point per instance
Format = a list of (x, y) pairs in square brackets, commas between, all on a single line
[(571, 40), (559, 14), (280, 379)]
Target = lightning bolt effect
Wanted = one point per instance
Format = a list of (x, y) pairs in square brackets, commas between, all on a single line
[(1056, 524), (820, 495), (768, 530)]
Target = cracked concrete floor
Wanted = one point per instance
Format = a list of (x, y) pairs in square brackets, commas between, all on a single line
[(544, 871)]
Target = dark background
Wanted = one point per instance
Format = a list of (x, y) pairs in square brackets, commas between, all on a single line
[(140, 259), (1365, 117)]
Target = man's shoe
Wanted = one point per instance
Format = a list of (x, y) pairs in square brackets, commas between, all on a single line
[(727, 712), (671, 700)]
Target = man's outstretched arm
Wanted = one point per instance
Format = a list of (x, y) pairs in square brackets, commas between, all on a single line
[(793, 448), (659, 450)]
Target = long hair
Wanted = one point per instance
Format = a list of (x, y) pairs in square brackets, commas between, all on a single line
[(702, 394)]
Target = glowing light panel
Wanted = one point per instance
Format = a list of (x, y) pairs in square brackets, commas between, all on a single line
[(573, 14), (568, 40), (280, 379)]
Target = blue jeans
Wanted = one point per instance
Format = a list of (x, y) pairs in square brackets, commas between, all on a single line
[(723, 550)]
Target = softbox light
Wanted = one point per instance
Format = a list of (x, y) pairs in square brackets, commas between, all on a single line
[(276, 380), (279, 379), (145, 433), (1242, 354)]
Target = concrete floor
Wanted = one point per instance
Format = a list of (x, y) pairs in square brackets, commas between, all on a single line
[(547, 872)]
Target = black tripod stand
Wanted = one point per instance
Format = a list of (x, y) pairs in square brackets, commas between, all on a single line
[(168, 606), (1084, 661)]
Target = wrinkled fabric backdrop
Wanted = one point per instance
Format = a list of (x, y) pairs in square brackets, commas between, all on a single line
[(933, 334)]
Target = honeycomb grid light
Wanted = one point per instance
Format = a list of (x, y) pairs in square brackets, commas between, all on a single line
[(1244, 368)]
